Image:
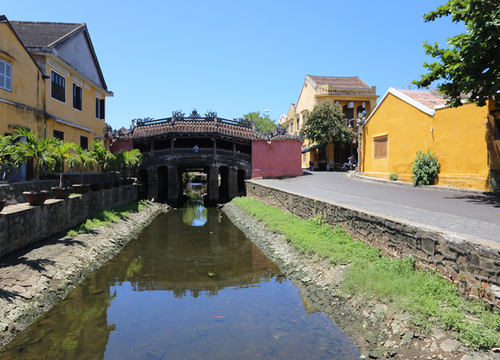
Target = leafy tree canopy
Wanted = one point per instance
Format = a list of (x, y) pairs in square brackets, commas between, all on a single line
[(263, 123), (325, 123), (470, 65)]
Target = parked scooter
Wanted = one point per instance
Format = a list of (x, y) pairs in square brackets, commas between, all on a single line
[(349, 165)]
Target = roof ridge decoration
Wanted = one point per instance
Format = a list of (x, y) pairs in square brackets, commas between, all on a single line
[(194, 115), (176, 115)]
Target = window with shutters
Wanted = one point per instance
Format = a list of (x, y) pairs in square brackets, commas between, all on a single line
[(99, 108), (5, 75), (58, 87), (380, 147), (77, 97)]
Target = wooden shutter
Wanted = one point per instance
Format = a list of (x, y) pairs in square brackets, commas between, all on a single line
[(380, 147), (101, 107)]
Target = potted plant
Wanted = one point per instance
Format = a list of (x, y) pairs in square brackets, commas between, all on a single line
[(132, 159), (81, 159), (41, 151), (5, 157), (98, 152), (106, 166), (62, 153)]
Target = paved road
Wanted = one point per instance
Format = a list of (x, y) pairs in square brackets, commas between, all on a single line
[(474, 214)]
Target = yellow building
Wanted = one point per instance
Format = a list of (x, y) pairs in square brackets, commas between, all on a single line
[(466, 140), (351, 94), (50, 80)]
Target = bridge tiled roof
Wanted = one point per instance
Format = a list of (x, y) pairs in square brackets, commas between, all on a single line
[(195, 127), (200, 127)]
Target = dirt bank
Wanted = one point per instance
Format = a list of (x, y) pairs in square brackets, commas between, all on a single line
[(34, 280), (377, 329)]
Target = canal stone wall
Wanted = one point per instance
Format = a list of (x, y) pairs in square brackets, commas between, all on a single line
[(22, 225), (36, 279), (471, 263)]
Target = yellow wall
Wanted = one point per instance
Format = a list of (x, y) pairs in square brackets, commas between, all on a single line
[(24, 105), (458, 138), (65, 111), (30, 104), (308, 98)]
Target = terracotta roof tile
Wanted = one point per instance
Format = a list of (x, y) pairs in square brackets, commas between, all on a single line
[(353, 82), (195, 126), (425, 97)]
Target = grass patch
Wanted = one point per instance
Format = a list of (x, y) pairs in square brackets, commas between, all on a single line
[(107, 217), (430, 298)]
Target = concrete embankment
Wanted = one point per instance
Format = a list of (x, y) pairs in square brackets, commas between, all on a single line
[(34, 280), (472, 263)]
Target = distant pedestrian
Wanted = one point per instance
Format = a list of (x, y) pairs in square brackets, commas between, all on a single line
[(196, 148)]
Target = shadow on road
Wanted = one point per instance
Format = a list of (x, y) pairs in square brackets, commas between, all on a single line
[(481, 199)]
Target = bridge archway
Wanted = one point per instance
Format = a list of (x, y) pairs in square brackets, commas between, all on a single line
[(221, 148), (162, 174)]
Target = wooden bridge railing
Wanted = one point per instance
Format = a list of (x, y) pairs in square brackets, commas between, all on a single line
[(201, 151)]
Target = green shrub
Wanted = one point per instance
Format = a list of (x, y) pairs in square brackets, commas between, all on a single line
[(425, 168), (393, 176)]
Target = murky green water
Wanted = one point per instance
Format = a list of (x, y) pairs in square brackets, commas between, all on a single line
[(192, 286)]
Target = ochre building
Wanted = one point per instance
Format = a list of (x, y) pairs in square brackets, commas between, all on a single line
[(466, 140), (51, 81), (351, 94)]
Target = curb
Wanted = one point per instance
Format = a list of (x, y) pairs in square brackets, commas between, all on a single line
[(427, 187)]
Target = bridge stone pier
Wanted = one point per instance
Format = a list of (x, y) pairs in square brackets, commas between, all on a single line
[(219, 148)]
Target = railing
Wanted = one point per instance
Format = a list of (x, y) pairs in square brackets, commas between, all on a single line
[(358, 92), (243, 156), (199, 151), (225, 152)]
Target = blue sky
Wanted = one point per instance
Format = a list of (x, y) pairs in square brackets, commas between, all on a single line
[(234, 57)]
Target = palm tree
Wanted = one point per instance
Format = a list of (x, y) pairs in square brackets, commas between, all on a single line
[(6, 148), (98, 152), (109, 158), (62, 153), (132, 159), (118, 163), (80, 160), (41, 151)]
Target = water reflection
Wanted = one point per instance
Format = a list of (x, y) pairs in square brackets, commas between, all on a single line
[(184, 292), (194, 213)]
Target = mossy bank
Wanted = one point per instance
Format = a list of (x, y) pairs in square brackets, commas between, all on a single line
[(34, 280), (378, 328)]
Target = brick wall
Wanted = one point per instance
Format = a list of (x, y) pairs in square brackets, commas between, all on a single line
[(473, 264)]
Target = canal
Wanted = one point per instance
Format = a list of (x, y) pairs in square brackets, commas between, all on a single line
[(191, 286)]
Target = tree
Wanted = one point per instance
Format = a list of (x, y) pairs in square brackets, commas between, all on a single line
[(98, 152), (41, 151), (262, 123), (132, 159), (80, 160), (326, 124), (470, 66), (6, 148), (62, 152)]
